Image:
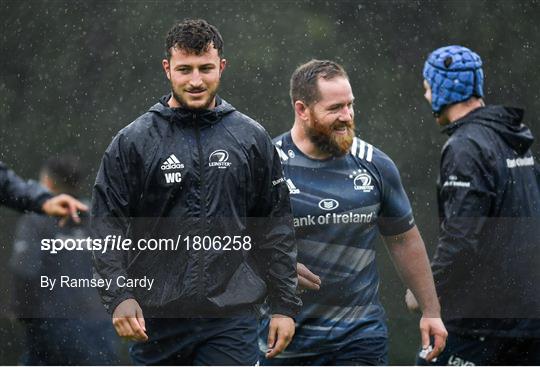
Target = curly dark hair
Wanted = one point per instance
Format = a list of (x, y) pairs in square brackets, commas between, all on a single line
[(304, 79), (194, 36)]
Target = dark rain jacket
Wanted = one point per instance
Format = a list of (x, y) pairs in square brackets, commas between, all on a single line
[(180, 172), (487, 263), (19, 194)]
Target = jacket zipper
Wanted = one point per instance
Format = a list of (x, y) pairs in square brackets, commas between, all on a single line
[(203, 205)]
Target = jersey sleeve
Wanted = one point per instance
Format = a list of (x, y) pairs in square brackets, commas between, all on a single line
[(396, 215)]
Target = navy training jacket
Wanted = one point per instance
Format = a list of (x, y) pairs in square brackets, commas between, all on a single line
[(181, 172), (487, 263)]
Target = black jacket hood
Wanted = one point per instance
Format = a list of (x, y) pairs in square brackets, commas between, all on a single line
[(506, 121), (183, 114)]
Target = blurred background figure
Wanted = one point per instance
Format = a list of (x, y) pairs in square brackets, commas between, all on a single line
[(21, 195), (63, 326)]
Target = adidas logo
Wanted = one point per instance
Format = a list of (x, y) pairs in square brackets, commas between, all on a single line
[(171, 163)]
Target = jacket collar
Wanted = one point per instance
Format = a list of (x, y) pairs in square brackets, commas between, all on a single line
[(187, 116)]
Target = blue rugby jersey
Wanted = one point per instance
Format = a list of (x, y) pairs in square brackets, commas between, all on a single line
[(339, 206)]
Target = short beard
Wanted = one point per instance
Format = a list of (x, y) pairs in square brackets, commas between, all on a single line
[(186, 105), (327, 142)]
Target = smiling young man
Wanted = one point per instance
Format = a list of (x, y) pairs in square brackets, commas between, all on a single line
[(344, 191), (194, 167)]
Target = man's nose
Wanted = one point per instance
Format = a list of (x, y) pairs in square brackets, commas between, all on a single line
[(346, 114), (196, 79)]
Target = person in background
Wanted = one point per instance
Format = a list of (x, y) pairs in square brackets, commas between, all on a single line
[(63, 326), (21, 195), (487, 262)]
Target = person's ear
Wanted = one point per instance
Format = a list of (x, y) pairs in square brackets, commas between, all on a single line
[(222, 65), (167, 68), (301, 110)]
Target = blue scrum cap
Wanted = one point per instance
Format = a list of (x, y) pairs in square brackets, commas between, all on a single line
[(454, 74)]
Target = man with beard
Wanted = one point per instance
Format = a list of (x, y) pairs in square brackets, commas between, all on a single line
[(193, 167), (343, 192)]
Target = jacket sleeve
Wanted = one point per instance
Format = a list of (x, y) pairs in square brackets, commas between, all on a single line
[(277, 249), (466, 195), (19, 194), (112, 201)]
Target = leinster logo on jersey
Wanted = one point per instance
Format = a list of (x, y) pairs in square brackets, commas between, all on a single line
[(361, 181)]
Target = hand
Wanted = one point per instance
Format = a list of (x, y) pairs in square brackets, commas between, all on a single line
[(306, 279), (280, 333), (128, 320), (430, 326), (410, 300), (63, 206)]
